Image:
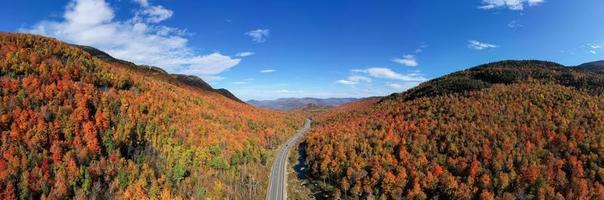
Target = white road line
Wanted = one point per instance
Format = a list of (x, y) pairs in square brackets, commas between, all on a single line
[(277, 187)]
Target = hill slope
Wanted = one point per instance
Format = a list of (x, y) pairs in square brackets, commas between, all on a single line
[(286, 104), (596, 66), (189, 80), (505, 130), (76, 126), (507, 72)]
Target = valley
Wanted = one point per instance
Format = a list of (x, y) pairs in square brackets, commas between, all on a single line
[(291, 104), (301, 100), (78, 123)]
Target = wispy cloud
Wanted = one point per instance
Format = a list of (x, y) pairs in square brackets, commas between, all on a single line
[(361, 80), (395, 85), (410, 60), (140, 39), (475, 44), (245, 54), (593, 48), (402, 86), (346, 82), (407, 60), (150, 13), (354, 79), (421, 48), (243, 82), (285, 91), (510, 4), (387, 73), (515, 24), (259, 35), (267, 71)]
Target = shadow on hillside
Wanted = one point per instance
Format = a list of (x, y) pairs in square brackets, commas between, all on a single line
[(303, 173)]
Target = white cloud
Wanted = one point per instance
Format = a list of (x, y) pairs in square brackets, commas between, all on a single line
[(386, 73), (354, 79), (155, 14), (285, 91), (402, 86), (138, 39), (474, 44), (346, 82), (243, 82), (409, 59), (88, 13), (267, 71), (151, 14), (510, 4), (259, 35), (535, 2), (514, 24), (245, 54), (142, 2), (421, 48), (357, 78), (388, 81), (395, 85), (592, 48), (212, 64), (406, 60)]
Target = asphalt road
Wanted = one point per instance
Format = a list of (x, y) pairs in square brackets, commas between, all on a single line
[(277, 186)]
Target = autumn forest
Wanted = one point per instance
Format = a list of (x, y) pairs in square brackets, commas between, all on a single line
[(76, 123), (505, 130), (77, 126)]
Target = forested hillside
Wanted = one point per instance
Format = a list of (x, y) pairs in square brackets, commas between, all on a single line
[(76, 126), (508, 72), (505, 130)]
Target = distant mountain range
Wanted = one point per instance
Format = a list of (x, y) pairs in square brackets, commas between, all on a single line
[(286, 104)]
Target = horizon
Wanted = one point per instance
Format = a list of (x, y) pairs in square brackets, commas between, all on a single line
[(270, 49)]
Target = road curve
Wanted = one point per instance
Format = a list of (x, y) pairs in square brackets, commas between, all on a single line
[(277, 186)]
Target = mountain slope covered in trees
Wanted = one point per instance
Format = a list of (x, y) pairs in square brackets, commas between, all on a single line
[(505, 130), (74, 125), (596, 66), (189, 80)]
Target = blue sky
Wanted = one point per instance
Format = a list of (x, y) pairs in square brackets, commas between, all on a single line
[(271, 49)]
